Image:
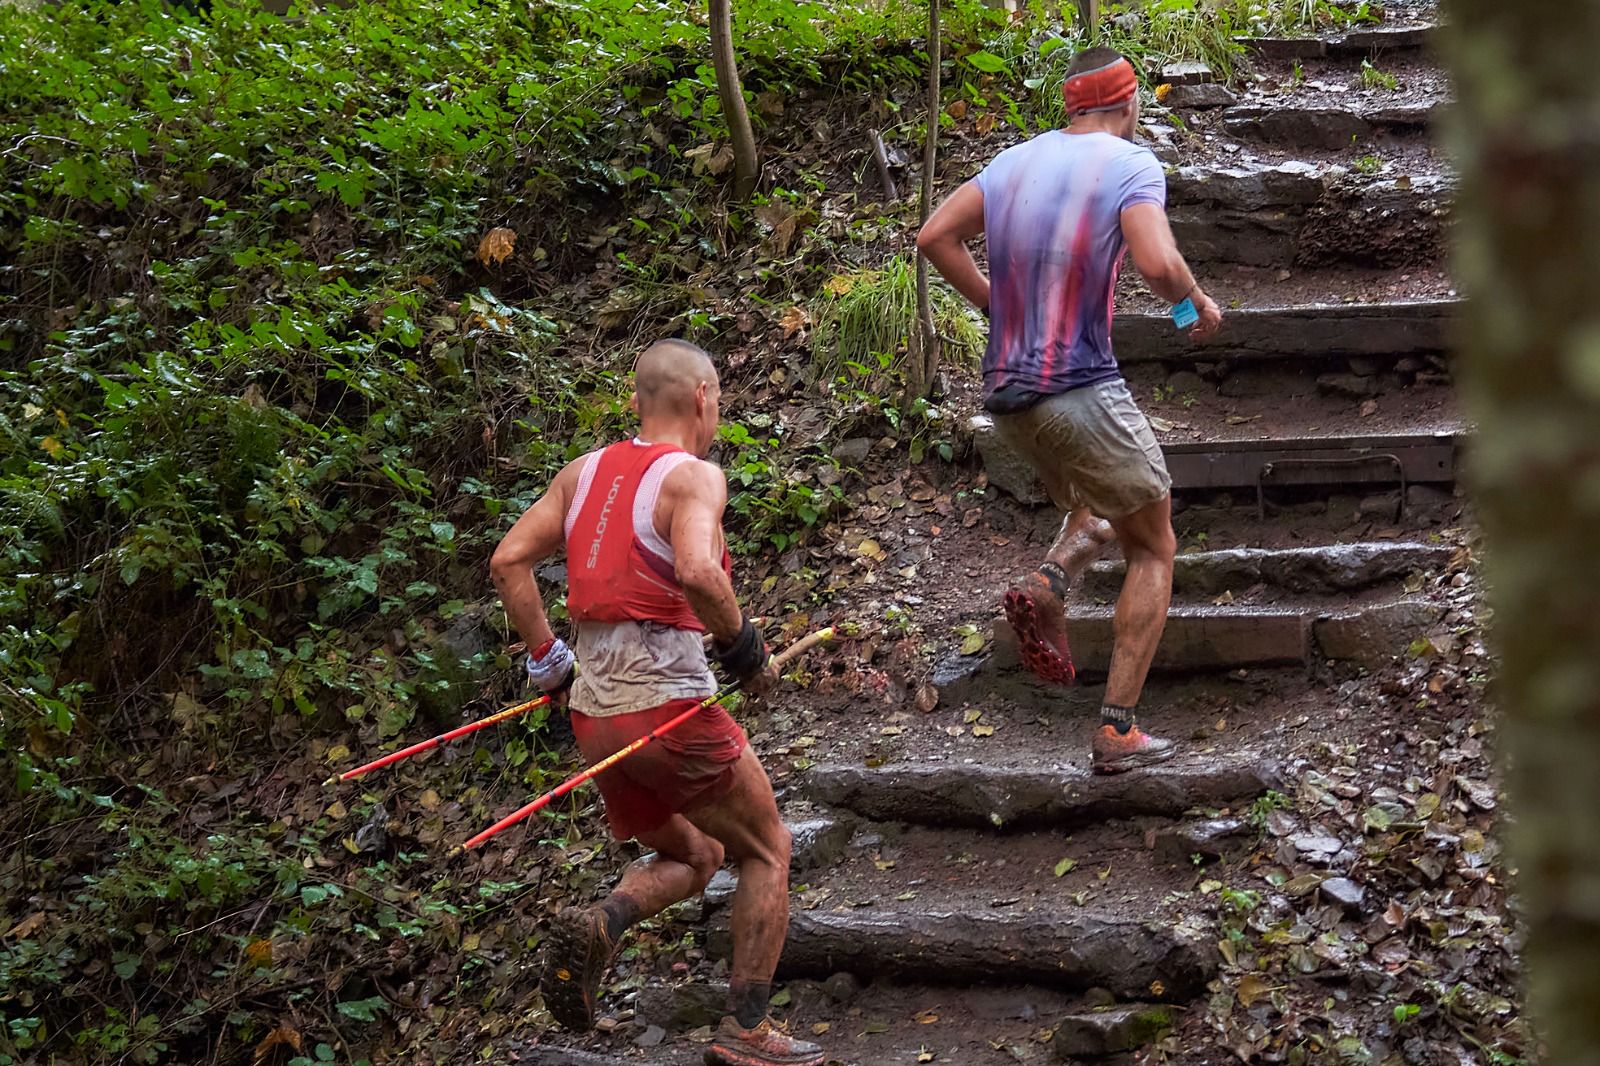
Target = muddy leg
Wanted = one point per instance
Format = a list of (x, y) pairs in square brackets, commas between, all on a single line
[(1084, 537), (685, 860), (1148, 545), (747, 824)]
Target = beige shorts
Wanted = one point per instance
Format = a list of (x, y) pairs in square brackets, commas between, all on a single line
[(1093, 448)]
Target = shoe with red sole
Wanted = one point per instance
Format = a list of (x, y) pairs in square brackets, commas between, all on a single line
[(734, 1045), (1114, 753), (1039, 619), (577, 954)]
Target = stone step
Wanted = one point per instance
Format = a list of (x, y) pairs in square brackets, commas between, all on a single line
[(967, 794), (1295, 215), (1208, 637), (1390, 459), (1321, 569), (970, 940), (1363, 41), (1409, 327), (1329, 128)]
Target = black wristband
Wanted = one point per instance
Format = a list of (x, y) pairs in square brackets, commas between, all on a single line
[(746, 656)]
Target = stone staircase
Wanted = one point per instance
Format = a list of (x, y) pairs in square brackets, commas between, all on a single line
[(977, 897)]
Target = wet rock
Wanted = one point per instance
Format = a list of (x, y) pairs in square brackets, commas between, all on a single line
[(1187, 72), (679, 1008), (1303, 127), (853, 449), (1316, 847), (1200, 97), (1344, 892), (1249, 187), (1349, 386), (975, 795), (557, 1056), (1214, 838), (1095, 1033), (1324, 568), (651, 1037), (819, 842), (1349, 567), (1008, 469), (967, 941), (1284, 47), (1374, 635), (1386, 329), (1196, 637), (1378, 39), (720, 889)]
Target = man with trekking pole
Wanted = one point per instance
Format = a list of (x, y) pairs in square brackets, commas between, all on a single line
[(1058, 213), (648, 573)]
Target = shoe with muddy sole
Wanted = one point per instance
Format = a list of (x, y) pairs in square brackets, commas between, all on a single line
[(577, 955), (1039, 619)]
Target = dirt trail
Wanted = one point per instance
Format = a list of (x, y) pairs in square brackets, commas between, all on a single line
[(973, 895)]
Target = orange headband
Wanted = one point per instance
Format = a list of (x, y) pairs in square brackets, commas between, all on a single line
[(1102, 89)]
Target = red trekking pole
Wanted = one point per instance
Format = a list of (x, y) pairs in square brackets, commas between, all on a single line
[(795, 650), (443, 738)]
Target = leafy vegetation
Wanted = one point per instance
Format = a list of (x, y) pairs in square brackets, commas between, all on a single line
[(278, 371)]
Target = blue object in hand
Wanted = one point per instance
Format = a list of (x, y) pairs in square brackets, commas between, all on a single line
[(1183, 313)]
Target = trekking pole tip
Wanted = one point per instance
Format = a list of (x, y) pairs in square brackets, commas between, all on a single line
[(330, 782)]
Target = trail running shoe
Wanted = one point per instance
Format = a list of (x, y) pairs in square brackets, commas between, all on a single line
[(734, 1045), (1039, 619), (1113, 752), (577, 954)]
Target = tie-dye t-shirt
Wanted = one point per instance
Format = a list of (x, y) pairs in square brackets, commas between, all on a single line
[(1052, 210)]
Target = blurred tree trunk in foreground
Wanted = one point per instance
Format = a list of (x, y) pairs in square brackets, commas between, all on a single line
[(1527, 134)]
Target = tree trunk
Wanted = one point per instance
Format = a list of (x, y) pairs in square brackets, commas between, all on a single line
[(924, 361), (746, 167), (1089, 15), (1529, 146)]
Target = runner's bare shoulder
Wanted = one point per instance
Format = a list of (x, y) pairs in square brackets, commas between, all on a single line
[(697, 479)]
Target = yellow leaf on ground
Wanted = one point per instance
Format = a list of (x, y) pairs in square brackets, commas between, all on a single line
[(820, 1027), (27, 927), (337, 753), (926, 1017), (429, 800), (983, 730), (283, 1036), (336, 810), (259, 953), (497, 245), (1162, 91), (1252, 988), (793, 320), (840, 284)]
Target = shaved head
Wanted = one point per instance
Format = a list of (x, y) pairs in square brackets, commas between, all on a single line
[(668, 376)]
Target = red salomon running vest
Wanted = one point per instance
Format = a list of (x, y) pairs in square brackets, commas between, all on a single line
[(618, 567)]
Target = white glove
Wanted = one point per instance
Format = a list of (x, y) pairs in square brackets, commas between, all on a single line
[(552, 671)]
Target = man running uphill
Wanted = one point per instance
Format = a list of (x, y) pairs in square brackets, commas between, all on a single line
[(647, 574), (1059, 211)]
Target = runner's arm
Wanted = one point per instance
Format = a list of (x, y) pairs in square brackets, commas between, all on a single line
[(1155, 253), (698, 493), (943, 239), (537, 535)]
